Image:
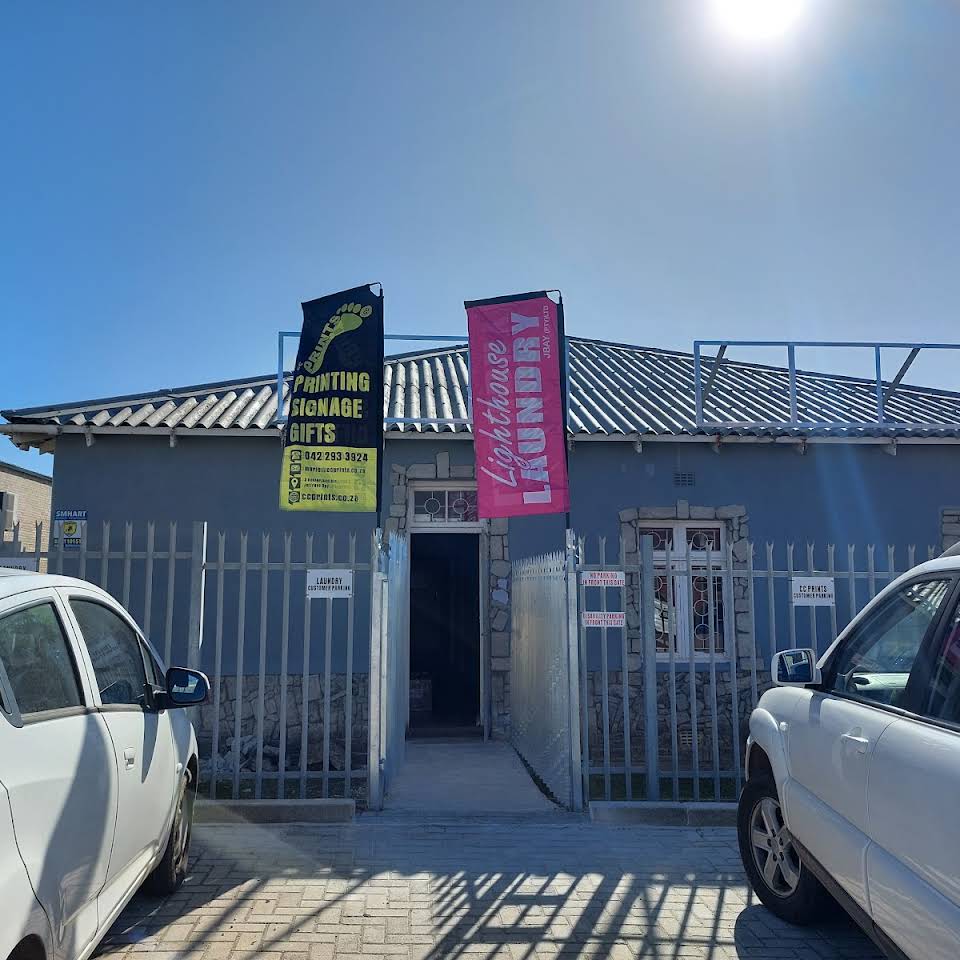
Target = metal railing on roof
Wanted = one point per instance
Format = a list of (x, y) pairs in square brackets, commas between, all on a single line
[(883, 390)]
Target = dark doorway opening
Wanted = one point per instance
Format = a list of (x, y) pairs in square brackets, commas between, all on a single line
[(444, 634)]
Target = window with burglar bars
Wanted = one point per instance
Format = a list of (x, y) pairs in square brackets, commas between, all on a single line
[(687, 597), (443, 506)]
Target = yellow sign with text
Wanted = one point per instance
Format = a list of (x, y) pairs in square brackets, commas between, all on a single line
[(334, 431), (329, 478)]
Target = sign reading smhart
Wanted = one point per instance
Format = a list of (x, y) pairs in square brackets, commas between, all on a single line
[(519, 427), (70, 528), (333, 438), (602, 578), (329, 583), (812, 591), (599, 618)]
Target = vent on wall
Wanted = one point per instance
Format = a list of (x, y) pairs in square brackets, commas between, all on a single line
[(684, 479)]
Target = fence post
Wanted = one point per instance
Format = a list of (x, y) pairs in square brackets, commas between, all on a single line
[(647, 589), (484, 587), (573, 675), (377, 589), (198, 580)]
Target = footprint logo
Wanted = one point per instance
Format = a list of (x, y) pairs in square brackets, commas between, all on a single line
[(347, 318)]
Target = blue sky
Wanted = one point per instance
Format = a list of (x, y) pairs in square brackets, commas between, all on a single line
[(177, 177)]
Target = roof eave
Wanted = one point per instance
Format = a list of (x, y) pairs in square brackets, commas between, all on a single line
[(44, 436)]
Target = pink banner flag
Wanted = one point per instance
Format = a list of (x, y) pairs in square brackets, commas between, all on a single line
[(519, 420)]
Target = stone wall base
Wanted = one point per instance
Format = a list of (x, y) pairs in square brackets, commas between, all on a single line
[(684, 715), (295, 710)]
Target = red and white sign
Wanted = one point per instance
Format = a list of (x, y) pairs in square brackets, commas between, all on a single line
[(602, 578), (597, 618), (519, 428)]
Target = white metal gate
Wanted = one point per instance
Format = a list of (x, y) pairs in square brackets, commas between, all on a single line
[(390, 662), (545, 701)]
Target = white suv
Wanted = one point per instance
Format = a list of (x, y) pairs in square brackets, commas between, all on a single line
[(97, 772), (853, 768)]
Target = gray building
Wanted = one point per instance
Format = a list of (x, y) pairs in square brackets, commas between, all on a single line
[(639, 464)]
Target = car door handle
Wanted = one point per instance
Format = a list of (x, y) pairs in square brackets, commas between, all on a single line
[(129, 758), (861, 743)]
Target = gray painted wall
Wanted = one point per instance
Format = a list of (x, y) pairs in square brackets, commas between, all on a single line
[(842, 493)]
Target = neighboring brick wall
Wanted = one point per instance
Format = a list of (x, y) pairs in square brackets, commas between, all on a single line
[(32, 504)]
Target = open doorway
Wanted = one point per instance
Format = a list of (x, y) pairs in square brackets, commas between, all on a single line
[(444, 634)]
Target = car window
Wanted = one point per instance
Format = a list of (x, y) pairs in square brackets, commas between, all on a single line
[(154, 674), (38, 662), (114, 653), (941, 695), (876, 659)]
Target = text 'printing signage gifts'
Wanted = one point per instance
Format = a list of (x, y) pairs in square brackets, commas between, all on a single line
[(333, 437), (519, 423)]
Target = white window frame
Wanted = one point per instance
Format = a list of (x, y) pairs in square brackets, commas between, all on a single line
[(681, 591), (445, 526)]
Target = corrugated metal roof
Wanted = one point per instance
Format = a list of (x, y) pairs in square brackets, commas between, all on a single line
[(615, 390)]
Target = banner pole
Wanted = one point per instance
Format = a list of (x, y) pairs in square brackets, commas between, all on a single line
[(565, 392), (383, 445)]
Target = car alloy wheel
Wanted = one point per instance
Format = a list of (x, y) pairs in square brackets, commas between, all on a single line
[(773, 850)]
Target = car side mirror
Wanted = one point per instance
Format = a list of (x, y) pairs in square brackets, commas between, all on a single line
[(186, 688), (795, 668)]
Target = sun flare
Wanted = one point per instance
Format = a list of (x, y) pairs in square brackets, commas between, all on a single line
[(757, 22)]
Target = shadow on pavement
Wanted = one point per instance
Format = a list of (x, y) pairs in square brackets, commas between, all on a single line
[(425, 889)]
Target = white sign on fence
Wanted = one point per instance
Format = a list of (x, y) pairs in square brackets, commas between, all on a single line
[(602, 578), (322, 584), (19, 563), (812, 591), (599, 618)]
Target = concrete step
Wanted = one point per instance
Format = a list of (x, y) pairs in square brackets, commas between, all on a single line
[(666, 814)]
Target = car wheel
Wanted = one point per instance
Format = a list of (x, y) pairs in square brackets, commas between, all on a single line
[(771, 860), (170, 871)]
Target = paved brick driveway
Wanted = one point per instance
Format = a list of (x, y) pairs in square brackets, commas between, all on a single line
[(404, 887)]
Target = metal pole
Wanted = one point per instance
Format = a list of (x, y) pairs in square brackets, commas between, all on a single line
[(374, 796), (280, 338), (792, 363), (565, 392), (485, 639), (698, 386), (879, 385), (647, 592), (198, 581), (573, 678)]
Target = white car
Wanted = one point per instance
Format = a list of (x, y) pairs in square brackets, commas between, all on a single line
[(853, 772), (97, 770)]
